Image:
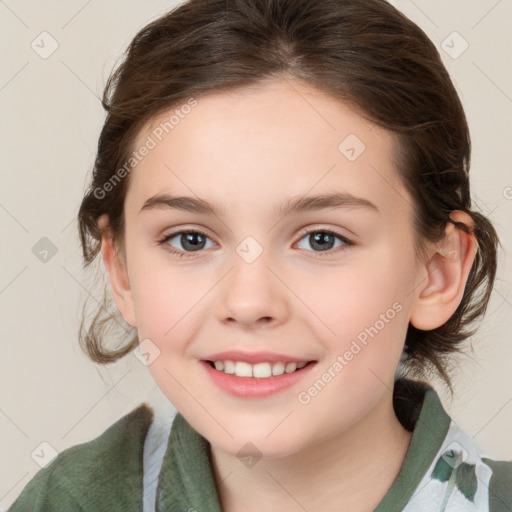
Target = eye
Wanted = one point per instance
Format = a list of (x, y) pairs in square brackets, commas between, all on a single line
[(323, 241), (190, 241)]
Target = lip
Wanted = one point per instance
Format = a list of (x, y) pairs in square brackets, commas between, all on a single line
[(250, 387), (254, 357)]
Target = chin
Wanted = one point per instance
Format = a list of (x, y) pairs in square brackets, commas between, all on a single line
[(252, 447)]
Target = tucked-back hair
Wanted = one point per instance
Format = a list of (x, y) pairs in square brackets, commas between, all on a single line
[(364, 52)]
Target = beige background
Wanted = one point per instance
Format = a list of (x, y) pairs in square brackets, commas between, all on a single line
[(51, 119)]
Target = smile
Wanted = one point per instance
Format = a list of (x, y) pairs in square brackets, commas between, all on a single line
[(258, 380)]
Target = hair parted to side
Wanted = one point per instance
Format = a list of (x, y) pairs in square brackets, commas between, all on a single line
[(364, 52)]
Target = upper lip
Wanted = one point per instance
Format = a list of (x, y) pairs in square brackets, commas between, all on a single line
[(254, 357)]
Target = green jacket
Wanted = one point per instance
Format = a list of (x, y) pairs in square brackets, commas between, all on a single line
[(442, 470)]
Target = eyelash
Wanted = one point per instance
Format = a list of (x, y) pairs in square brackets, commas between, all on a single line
[(317, 254)]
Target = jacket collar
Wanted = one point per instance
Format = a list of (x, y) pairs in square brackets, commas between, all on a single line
[(186, 480)]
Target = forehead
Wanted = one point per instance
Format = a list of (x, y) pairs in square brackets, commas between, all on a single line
[(270, 142)]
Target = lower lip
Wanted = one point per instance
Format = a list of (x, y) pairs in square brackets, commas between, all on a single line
[(249, 387)]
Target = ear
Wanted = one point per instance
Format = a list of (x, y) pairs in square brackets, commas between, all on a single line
[(117, 273), (446, 273)]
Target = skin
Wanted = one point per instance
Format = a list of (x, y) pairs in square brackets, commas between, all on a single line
[(249, 151)]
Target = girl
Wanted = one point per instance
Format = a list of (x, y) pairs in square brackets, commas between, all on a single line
[(281, 200)]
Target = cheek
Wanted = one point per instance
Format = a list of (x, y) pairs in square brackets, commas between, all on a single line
[(367, 312), (363, 295), (165, 298), (167, 309)]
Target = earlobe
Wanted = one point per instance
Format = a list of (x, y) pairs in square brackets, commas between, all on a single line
[(117, 273), (446, 273)]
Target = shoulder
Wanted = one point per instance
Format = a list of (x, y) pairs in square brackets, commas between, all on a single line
[(482, 480), (500, 485), (97, 475)]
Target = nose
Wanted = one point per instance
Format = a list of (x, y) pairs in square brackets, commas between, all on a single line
[(252, 296)]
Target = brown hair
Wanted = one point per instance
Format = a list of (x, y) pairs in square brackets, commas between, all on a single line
[(364, 52)]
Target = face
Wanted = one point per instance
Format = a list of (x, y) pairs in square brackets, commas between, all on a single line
[(327, 283)]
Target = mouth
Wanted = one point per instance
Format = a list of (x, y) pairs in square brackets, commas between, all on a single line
[(260, 380), (262, 370), (256, 375)]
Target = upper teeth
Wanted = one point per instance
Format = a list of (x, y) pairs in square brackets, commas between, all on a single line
[(258, 371)]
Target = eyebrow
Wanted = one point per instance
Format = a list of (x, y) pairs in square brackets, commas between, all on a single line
[(302, 204)]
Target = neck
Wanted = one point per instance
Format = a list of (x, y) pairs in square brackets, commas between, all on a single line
[(351, 471)]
